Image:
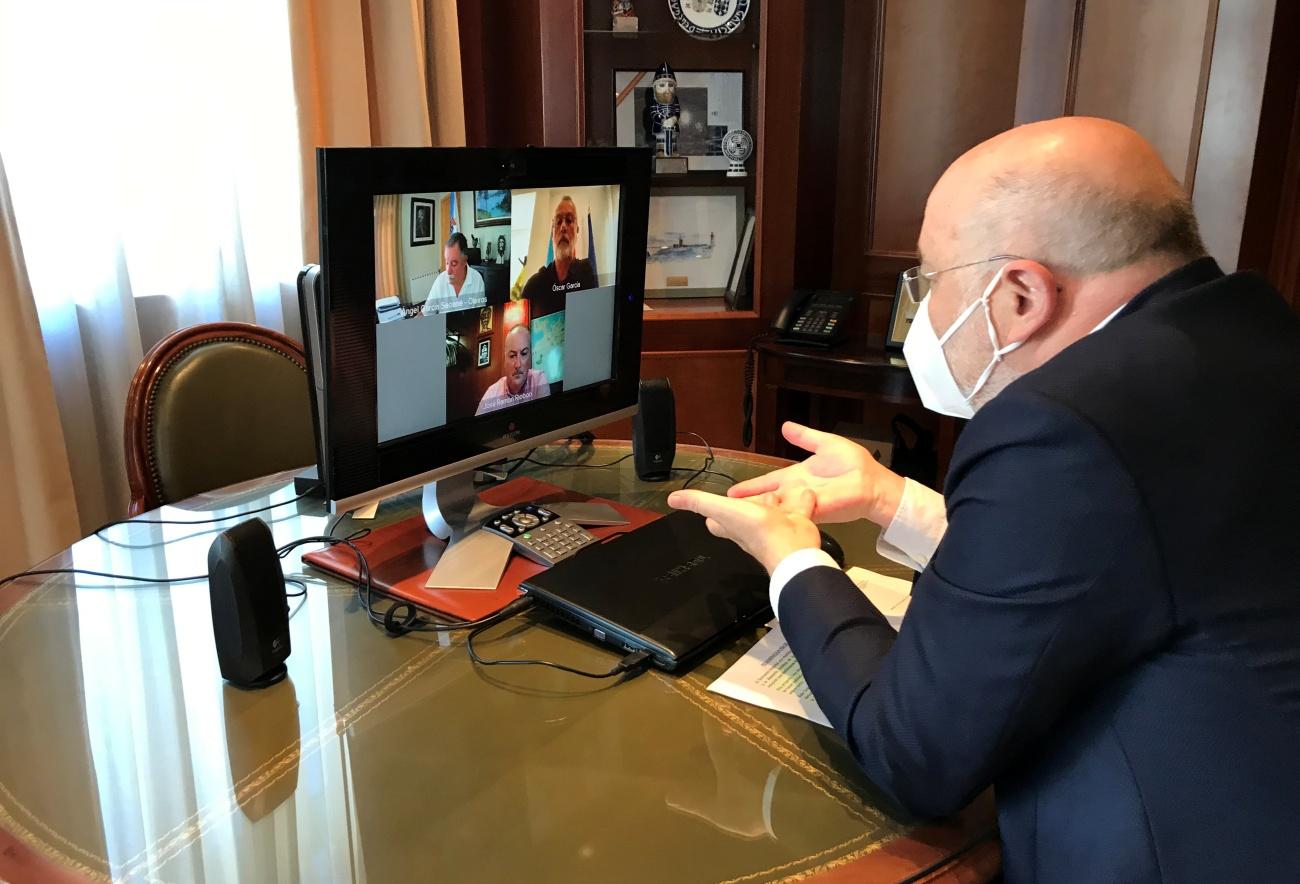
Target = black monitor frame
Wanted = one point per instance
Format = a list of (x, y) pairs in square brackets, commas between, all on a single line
[(354, 466)]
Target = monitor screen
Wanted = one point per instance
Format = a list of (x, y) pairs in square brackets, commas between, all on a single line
[(467, 323), (474, 302)]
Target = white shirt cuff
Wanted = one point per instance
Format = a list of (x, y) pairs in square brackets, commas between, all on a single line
[(797, 562), (916, 529)]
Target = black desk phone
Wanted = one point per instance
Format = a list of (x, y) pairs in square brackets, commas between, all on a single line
[(814, 318)]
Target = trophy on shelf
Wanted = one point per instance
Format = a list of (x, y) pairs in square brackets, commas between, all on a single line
[(488, 256), (736, 147), (660, 121), (624, 17)]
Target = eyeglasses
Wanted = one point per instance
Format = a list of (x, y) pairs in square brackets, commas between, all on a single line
[(916, 284)]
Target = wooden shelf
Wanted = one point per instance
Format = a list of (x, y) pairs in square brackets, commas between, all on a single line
[(662, 309), (699, 178)]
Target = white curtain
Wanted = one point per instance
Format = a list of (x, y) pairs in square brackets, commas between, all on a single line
[(35, 487), (152, 150)]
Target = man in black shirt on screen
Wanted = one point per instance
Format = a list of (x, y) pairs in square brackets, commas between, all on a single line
[(546, 289)]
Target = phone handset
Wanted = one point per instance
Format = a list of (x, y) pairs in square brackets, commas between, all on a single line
[(791, 310), (816, 318)]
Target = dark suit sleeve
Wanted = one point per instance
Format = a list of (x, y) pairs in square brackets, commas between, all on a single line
[(1046, 583)]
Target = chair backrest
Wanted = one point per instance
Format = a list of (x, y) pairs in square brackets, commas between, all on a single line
[(212, 405)]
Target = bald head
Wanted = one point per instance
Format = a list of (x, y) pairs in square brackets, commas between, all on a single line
[(1079, 194), (1092, 217)]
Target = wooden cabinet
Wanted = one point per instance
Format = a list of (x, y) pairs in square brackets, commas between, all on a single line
[(857, 106), (563, 52)]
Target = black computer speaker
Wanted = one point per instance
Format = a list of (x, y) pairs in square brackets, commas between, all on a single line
[(250, 612), (654, 430)]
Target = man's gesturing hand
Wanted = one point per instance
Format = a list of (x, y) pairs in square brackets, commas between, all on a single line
[(846, 481), (767, 533)]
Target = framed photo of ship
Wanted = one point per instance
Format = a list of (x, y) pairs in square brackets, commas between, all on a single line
[(692, 239)]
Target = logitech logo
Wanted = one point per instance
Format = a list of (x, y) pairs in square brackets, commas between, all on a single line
[(684, 568)]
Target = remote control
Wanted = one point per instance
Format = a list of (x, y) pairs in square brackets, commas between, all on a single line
[(539, 533)]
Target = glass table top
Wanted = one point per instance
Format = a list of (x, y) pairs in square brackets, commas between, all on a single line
[(123, 754)]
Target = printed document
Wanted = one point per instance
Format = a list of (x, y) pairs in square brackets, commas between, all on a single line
[(769, 675)]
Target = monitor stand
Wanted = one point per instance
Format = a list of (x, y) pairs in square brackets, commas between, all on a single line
[(472, 559)]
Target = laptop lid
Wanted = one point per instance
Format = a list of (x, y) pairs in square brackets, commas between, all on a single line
[(669, 588)]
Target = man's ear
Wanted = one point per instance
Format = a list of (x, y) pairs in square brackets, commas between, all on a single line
[(1029, 300)]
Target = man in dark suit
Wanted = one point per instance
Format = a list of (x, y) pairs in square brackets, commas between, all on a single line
[(1106, 627)]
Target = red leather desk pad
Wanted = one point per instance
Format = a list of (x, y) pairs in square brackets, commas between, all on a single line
[(402, 555)]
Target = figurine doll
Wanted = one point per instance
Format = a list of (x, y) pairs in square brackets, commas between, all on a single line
[(659, 119)]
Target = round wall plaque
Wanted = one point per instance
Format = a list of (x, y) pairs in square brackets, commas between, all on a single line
[(709, 19)]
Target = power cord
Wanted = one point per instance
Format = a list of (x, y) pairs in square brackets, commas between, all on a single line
[(38, 572), (747, 403), (635, 662), (398, 619), (262, 509)]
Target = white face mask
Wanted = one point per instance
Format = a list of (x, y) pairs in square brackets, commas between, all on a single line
[(923, 350)]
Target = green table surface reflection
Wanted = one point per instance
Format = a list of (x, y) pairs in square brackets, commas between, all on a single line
[(124, 756)]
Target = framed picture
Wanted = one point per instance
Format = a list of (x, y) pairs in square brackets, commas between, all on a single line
[(421, 222), (491, 207), (484, 352), (900, 318), (485, 320), (711, 103), (737, 294), (692, 240)]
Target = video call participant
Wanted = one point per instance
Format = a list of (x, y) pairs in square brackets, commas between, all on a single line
[(546, 288), (459, 287), (521, 382)]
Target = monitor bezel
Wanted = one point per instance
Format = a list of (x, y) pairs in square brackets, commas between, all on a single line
[(355, 467)]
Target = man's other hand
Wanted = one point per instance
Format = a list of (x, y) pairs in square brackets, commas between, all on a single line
[(847, 483), (767, 533)]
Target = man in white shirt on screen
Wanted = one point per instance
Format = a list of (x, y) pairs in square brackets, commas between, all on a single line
[(459, 287)]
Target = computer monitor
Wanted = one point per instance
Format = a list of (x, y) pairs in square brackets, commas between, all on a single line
[(426, 364)]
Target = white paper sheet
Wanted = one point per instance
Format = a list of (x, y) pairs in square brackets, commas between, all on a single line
[(769, 676), (890, 595)]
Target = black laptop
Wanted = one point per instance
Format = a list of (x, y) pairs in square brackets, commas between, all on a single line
[(669, 588)]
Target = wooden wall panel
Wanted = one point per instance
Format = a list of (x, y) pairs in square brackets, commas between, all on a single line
[(1048, 59), (560, 38), (818, 143), (1229, 121), (1270, 240), (1147, 65), (923, 81), (502, 72), (708, 386), (948, 83)]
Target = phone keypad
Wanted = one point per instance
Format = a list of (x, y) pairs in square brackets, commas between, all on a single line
[(540, 534)]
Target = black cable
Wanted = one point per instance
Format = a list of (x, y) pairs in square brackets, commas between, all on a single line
[(950, 858), (42, 571), (263, 509), (586, 466), (730, 478), (747, 403), (708, 460), (635, 662), (400, 617), (329, 532), (519, 462)]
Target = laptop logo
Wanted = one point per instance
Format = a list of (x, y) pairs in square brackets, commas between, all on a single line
[(684, 568)]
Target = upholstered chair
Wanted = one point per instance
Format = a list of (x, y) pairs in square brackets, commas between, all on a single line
[(212, 405)]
